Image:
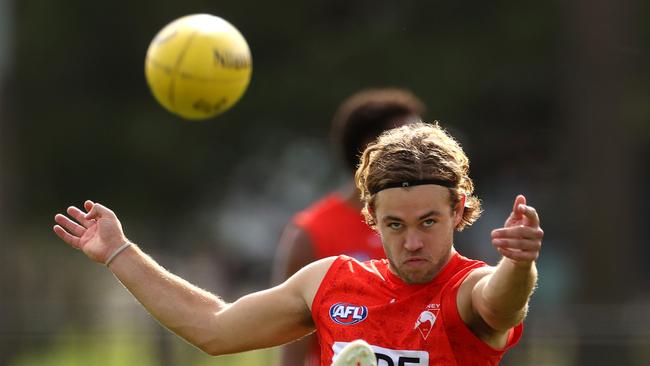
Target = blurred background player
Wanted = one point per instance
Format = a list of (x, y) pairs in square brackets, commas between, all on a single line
[(334, 224)]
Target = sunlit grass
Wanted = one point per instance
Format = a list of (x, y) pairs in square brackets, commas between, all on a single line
[(126, 349), (74, 348)]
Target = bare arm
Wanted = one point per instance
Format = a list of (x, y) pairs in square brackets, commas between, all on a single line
[(494, 300), (295, 251), (258, 320)]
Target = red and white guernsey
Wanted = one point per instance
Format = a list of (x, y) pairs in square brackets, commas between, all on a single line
[(405, 324)]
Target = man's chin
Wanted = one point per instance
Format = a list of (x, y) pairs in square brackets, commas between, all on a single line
[(415, 277)]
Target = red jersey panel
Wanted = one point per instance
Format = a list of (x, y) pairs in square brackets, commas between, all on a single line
[(335, 228), (405, 324)]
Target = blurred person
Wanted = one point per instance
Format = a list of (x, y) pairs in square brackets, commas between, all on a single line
[(425, 304), (334, 224)]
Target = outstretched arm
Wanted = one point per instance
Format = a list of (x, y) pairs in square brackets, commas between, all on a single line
[(258, 320), (496, 299)]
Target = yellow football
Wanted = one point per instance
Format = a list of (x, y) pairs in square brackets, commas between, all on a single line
[(198, 66)]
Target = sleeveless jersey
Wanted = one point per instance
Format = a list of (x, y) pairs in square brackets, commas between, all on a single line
[(335, 228), (405, 324)]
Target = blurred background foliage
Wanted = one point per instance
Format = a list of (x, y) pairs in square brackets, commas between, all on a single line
[(549, 99)]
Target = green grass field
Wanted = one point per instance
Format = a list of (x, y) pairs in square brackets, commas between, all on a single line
[(81, 349)]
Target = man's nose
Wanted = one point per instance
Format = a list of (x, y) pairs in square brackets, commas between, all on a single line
[(413, 241)]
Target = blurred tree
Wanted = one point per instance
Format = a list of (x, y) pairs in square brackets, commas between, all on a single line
[(603, 172), (511, 78)]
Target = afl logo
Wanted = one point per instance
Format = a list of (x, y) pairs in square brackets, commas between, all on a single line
[(348, 314)]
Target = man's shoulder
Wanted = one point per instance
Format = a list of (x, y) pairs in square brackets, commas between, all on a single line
[(370, 263), (352, 269), (463, 262), (463, 269)]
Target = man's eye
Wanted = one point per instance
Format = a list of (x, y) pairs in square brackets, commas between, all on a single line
[(395, 225), (428, 223)]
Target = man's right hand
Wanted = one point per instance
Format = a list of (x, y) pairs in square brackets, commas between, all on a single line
[(97, 232)]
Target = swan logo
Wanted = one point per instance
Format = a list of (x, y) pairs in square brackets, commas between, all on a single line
[(347, 314), (425, 322)]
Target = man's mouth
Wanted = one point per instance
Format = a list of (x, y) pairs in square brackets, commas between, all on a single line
[(415, 261)]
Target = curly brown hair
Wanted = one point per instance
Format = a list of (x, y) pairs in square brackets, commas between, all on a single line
[(418, 151)]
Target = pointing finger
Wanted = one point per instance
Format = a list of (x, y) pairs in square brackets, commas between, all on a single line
[(519, 200)]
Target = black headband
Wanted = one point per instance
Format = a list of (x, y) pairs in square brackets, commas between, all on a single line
[(411, 183)]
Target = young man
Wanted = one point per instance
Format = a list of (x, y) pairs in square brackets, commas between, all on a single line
[(334, 225), (423, 305)]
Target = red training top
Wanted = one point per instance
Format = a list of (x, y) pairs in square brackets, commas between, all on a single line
[(405, 324), (335, 228)]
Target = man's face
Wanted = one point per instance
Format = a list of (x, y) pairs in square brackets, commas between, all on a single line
[(416, 225)]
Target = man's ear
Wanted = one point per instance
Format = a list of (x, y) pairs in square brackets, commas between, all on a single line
[(459, 209)]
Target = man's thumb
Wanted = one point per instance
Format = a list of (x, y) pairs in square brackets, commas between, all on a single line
[(94, 209)]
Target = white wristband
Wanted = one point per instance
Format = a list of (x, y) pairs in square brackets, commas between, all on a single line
[(118, 251)]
